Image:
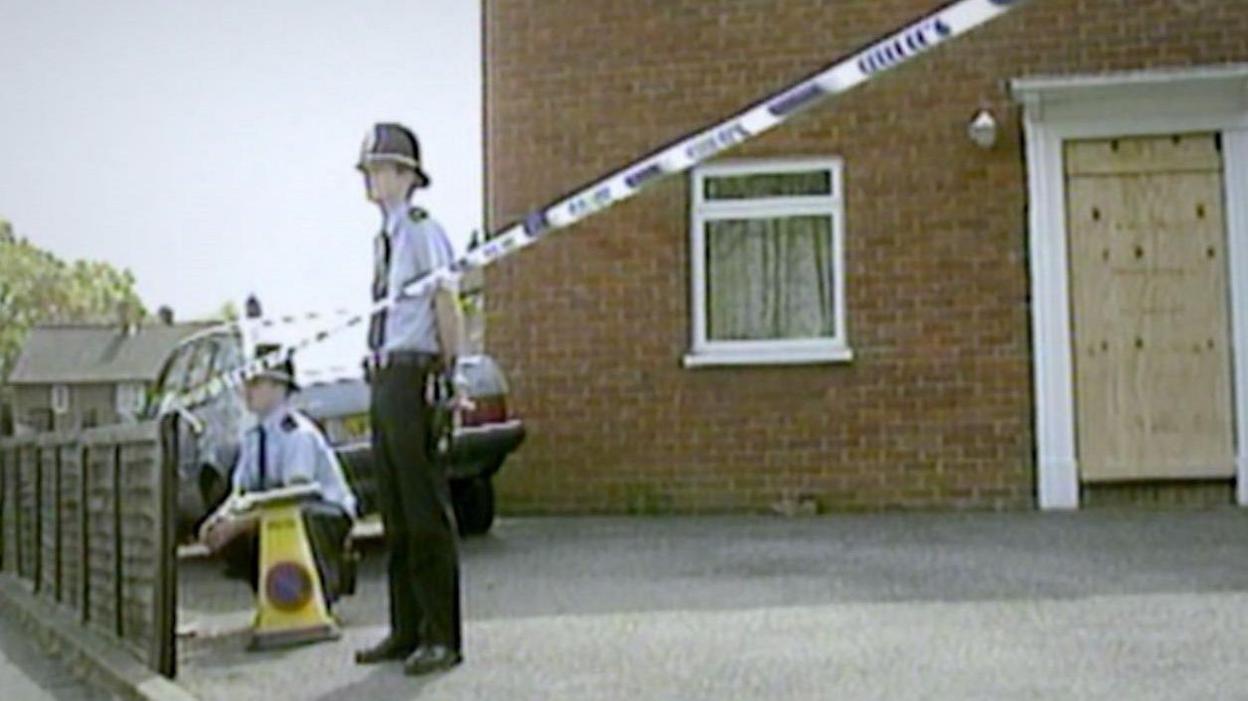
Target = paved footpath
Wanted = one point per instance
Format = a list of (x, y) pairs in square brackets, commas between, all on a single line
[(27, 674), (1094, 605)]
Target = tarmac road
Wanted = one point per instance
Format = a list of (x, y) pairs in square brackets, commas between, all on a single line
[(1093, 605)]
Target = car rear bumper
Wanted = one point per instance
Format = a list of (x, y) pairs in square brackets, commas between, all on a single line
[(476, 451), (483, 444)]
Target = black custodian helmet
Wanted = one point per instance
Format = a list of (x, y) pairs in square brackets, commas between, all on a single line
[(394, 143)]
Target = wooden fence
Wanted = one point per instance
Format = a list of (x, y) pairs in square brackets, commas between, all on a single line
[(86, 521)]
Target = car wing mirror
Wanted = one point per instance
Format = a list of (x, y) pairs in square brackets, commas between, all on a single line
[(193, 422)]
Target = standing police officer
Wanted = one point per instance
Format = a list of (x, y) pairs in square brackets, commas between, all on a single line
[(413, 342)]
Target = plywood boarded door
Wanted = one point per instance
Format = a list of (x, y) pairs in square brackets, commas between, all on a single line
[(1150, 308)]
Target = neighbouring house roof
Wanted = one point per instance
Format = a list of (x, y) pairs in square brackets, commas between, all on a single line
[(94, 353)]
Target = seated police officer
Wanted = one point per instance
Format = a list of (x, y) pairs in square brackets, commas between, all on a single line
[(284, 449)]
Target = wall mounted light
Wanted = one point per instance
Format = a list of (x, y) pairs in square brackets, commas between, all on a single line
[(982, 129)]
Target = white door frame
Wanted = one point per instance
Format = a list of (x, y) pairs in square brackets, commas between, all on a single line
[(1056, 109)]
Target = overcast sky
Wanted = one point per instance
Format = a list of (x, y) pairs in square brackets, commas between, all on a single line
[(209, 146)]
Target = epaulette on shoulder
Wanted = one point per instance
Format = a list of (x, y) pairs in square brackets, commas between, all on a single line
[(289, 423), (417, 214)]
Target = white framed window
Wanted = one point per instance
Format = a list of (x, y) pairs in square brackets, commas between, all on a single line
[(60, 399), (767, 255), (129, 398)]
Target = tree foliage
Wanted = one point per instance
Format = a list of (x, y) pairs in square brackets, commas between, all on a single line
[(227, 312), (37, 287)]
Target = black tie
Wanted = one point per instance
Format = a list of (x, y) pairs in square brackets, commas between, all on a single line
[(381, 288), (264, 459)]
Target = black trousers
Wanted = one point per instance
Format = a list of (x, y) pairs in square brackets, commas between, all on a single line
[(416, 510), (327, 527)]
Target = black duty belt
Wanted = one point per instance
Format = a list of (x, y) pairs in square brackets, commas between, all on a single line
[(377, 362)]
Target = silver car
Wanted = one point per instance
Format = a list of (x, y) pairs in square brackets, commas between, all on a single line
[(212, 429)]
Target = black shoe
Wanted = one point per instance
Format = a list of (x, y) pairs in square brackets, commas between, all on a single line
[(387, 650), (431, 658)]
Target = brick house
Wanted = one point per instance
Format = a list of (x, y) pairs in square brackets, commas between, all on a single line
[(865, 309), (74, 376)]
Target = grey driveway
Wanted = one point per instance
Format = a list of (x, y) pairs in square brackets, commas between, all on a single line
[(1094, 605)]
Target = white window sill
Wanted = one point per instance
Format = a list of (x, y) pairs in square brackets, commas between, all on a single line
[(805, 356)]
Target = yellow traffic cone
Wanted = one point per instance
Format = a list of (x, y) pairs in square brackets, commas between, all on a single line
[(290, 602)]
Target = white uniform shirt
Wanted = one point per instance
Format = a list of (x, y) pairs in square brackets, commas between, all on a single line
[(295, 451), (417, 246)]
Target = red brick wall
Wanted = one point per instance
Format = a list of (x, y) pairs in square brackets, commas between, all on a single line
[(935, 411)]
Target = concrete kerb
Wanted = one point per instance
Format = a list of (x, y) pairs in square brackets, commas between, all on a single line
[(88, 654)]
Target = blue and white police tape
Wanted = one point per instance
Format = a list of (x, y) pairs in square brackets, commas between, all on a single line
[(289, 319), (252, 326), (938, 27)]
